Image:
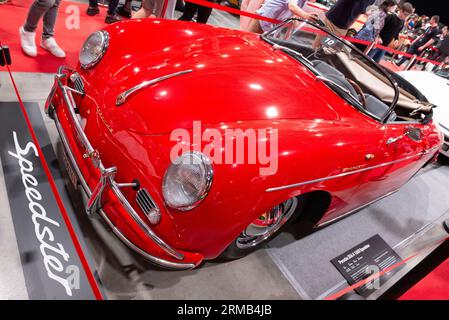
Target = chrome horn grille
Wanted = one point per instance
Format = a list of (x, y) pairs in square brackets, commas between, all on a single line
[(78, 83), (148, 206)]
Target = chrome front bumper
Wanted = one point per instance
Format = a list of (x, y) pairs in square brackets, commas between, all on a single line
[(106, 181)]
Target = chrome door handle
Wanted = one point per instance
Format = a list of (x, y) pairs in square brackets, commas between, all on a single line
[(396, 139), (411, 132)]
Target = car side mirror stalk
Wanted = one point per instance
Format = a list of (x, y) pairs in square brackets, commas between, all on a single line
[(411, 132)]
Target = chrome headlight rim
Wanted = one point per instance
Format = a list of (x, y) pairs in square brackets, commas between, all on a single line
[(209, 176), (104, 48)]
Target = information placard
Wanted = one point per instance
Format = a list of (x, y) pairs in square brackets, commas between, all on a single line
[(364, 260)]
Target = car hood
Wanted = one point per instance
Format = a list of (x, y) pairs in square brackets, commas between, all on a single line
[(435, 89), (234, 76)]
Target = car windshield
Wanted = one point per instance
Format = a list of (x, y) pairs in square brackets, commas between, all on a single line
[(444, 73), (338, 64)]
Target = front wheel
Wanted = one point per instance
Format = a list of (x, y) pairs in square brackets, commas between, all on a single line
[(262, 229)]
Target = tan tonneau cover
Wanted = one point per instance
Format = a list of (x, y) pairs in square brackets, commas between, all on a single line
[(377, 83)]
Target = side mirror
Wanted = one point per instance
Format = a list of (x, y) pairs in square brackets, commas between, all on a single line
[(411, 132), (414, 133)]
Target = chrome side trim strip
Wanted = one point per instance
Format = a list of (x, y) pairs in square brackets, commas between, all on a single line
[(122, 97), (345, 174), (354, 210)]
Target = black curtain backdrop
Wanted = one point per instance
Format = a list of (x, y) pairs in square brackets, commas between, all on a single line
[(433, 7)]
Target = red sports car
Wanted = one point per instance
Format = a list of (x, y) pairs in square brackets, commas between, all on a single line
[(194, 142)]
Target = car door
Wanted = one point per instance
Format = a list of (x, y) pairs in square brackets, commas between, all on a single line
[(399, 157), (373, 175), (366, 169), (404, 147)]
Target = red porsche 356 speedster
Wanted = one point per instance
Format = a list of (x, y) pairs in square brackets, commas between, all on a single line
[(338, 130)]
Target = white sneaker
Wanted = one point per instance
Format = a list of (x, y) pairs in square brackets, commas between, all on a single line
[(28, 42), (51, 45)]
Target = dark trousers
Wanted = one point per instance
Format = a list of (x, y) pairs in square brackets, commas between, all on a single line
[(191, 8), (377, 54), (46, 10), (412, 50), (112, 8), (438, 56)]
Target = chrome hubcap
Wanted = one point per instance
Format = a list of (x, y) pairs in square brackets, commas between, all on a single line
[(267, 224)]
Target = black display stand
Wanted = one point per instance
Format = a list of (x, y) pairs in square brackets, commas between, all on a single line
[(5, 56)]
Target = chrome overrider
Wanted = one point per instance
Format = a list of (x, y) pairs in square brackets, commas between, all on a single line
[(107, 181)]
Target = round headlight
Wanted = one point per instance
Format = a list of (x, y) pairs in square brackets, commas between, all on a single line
[(187, 181), (94, 49)]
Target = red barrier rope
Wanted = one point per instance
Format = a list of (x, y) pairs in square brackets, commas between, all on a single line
[(213, 5), (54, 188), (311, 4), (217, 6), (383, 272)]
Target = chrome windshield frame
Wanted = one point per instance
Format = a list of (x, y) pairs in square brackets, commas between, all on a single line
[(374, 64)]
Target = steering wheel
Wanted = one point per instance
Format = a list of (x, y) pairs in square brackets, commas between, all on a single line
[(359, 92)]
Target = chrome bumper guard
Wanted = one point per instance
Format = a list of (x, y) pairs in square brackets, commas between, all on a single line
[(106, 181)]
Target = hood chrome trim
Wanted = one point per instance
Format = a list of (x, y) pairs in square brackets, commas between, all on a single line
[(122, 97)]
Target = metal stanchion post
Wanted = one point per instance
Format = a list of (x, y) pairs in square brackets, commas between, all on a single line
[(5, 57), (411, 62), (369, 48)]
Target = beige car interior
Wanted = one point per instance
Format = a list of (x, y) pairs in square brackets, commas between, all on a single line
[(379, 85)]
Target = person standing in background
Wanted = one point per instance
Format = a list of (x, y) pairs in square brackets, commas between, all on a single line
[(47, 10), (442, 52), (250, 6), (412, 22), (156, 9), (111, 16), (279, 10), (343, 15), (424, 41), (394, 24), (418, 23), (374, 24), (191, 9), (126, 9)]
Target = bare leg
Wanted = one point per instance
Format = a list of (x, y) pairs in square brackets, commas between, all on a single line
[(141, 14), (254, 26)]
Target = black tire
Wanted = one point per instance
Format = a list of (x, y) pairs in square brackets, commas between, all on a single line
[(51, 112), (443, 160), (236, 251)]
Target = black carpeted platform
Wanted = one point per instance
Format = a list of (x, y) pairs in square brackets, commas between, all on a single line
[(306, 262)]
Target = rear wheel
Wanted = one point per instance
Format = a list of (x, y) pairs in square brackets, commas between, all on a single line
[(443, 160), (262, 229)]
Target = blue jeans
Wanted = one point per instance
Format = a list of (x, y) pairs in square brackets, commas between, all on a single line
[(46, 10), (377, 54)]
